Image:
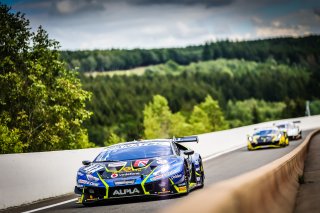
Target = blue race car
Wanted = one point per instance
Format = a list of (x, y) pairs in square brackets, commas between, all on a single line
[(140, 168)]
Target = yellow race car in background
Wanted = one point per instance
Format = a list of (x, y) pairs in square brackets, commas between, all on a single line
[(270, 137)]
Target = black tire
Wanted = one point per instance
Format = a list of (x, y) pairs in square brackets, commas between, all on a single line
[(186, 178), (202, 174)]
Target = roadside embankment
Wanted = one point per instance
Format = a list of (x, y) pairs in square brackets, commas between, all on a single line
[(271, 188), (308, 198)]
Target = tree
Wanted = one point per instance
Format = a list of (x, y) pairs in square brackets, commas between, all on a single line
[(207, 53), (214, 113), (199, 121), (157, 116), (42, 105), (113, 139), (179, 126)]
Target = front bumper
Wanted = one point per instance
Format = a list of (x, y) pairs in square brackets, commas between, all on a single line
[(262, 145), (91, 194)]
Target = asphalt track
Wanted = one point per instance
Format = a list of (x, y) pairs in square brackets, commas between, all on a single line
[(217, 169)]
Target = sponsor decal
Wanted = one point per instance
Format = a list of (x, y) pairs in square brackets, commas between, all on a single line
[(92, 178), (91, 198), (130, 169), (87, 182), (140, 163), (164, 192), (196, 163), (114, 175), (129, 174), (124, 182), (161, 162), (80, 173), (120, 192), (117, 164), (198, 179), (176, 176), (182, 188), (93, 168), (168, 174)]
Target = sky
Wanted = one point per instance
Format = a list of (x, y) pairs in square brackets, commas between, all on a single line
[(128, 24)]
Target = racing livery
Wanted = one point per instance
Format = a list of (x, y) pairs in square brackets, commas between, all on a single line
[(293, 131), (267, 138), (140, 168)]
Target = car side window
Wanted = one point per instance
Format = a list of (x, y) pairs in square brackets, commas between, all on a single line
[(181, 148), (176, 149)]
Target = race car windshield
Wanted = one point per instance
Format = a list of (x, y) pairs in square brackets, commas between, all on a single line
[(135, 151), (281, 126), (265, 132)]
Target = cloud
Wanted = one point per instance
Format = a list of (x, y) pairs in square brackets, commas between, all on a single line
[(299, 23), (61, 7), (317, 11), (90, 24), (207, 3), (78, 7)]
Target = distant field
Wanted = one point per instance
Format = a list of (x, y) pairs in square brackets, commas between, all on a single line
[(134, 71)]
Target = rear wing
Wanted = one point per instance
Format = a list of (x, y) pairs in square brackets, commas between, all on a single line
[(186, 139)]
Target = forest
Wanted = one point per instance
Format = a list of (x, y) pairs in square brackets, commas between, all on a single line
[(48, 101), (288, 50), (244, 91), (252, 81)]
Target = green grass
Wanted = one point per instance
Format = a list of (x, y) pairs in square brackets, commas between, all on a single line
[(134, 71)]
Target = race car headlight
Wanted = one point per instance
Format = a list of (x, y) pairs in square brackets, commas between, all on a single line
[(250, 138), (92, 178), (279, 136), (162, 170)]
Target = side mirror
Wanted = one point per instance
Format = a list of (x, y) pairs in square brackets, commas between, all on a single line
[(86, 162), (188, 152)]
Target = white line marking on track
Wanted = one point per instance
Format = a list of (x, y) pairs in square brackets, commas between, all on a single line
[(50, 206)]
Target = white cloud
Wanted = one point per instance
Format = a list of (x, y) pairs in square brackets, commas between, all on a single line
[(98, 24)]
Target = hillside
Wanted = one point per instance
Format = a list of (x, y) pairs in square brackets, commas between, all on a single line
[(303, 50)]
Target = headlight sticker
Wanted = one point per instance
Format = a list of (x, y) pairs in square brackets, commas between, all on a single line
[(164, 175), (87, 182)]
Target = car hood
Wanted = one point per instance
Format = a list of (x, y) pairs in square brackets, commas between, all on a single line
[(129, 168), (264, 138)]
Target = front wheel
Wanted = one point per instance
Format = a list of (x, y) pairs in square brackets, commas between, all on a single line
[(202, 175), (186, 179)]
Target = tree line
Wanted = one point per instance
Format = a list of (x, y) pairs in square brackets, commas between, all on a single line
[(303, 50), (246, 91), (44, 105)]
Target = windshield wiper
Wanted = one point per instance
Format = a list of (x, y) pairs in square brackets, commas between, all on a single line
[(107, 161)]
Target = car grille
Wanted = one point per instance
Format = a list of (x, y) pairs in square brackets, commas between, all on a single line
[(96, 192), (158, 186), (265, 143)]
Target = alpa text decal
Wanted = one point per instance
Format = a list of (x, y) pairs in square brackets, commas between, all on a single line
[(126, 192)]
